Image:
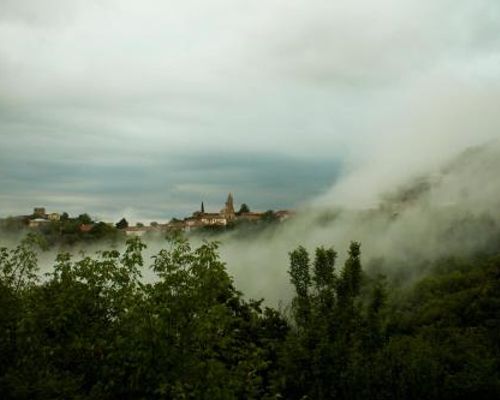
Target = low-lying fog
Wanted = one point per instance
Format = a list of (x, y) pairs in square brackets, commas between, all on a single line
[(451, 210)]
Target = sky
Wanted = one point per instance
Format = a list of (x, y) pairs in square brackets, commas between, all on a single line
[(145, 109)]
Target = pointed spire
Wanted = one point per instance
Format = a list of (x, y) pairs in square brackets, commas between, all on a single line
[(229, 202), (229, 209), (202, 208)]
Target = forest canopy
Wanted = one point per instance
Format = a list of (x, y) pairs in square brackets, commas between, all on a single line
[(92, 328)]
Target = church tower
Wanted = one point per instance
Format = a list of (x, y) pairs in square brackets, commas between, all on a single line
[(228, 210)]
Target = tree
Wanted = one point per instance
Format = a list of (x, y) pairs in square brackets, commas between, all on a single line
[(269, 216), (12, 224), (92, 328), (320, 352), (324, 264), (122, 224), (349, 284), (300, 277), (243, 209), (84, 219), (101, 230)]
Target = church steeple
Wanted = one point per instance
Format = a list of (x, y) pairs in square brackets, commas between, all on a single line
[(202, 208), (229, 209)]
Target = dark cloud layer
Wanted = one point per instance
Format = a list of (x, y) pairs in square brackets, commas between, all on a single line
[(174, 186)]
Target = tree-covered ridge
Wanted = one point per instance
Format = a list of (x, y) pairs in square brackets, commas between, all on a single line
[(93, 328), (64, 232), (356, 337)]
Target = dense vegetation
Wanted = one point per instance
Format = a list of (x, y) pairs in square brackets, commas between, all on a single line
[(93, 329), (65, 232)]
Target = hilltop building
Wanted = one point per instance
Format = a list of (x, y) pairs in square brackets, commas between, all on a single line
[(41, 217), (283, 215), (250, 216), (54, 216), (37, 222), (39, 212), (201, 218), (224, 217), (228, 211)]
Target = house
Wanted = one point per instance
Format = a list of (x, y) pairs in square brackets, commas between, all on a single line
[(192, 222), (86, 228), (54, 217), (136, 230), (283, 214), (174, 225), (213, 219), (250, 216), (37, 222), (39, 212), (201, 218), (227, 215)]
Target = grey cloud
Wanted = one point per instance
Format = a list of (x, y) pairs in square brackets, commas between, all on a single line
[(360, 43), (101, 100), (170, 187), (43, 13)]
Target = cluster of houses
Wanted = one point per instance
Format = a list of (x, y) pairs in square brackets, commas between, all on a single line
[(198, 219), (39, 217)]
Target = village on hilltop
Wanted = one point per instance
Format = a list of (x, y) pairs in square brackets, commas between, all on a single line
[(226, 217)]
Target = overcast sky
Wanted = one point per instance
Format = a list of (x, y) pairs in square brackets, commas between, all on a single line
[(146, 108)]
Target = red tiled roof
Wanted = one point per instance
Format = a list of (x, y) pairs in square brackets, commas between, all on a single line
[(86, 227)]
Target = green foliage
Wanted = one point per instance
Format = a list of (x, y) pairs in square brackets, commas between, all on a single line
[(84, 219), (351, 340), (299, 271), (349, 284), (270, 217), (63, 233), (122, 224), (243, 209), (94, 328), (328, 325), (324, 264), (13, 224), (18, 267)]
